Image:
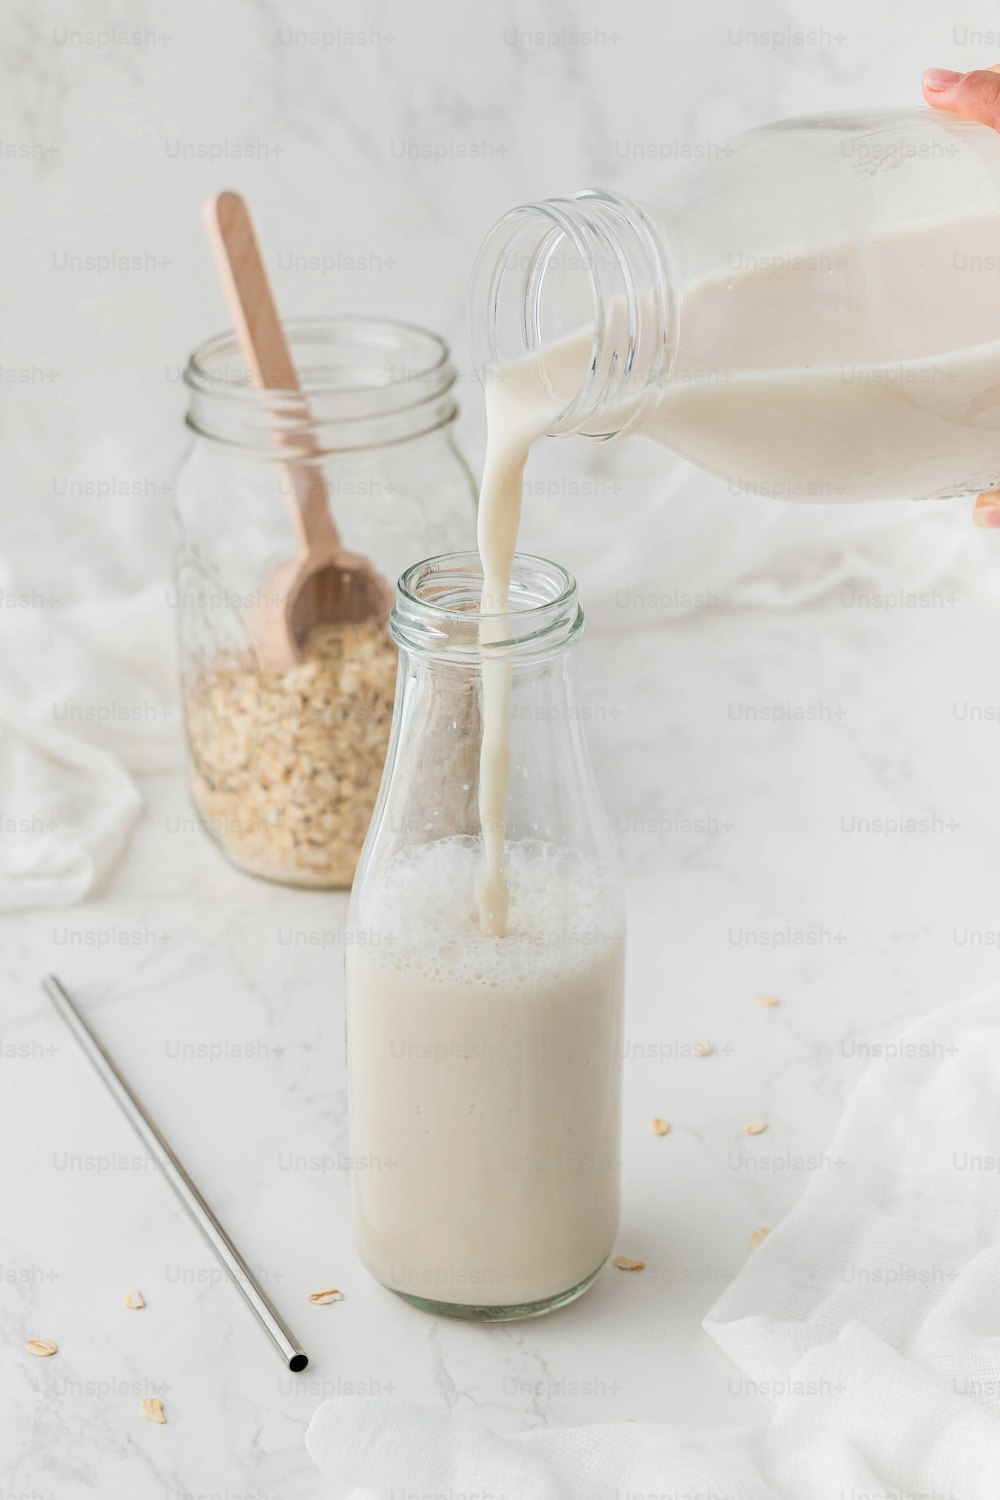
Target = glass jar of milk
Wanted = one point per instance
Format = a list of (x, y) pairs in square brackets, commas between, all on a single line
[(485, 1048), (812, 314)]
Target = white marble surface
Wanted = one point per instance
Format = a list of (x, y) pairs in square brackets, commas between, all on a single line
[(196, 956), (223, 997)]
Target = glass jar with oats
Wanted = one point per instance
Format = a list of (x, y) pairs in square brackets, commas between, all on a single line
[(286, 748)]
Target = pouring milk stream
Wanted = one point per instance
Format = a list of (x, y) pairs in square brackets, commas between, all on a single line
[(853, 430), (522, 402), (813, 316)]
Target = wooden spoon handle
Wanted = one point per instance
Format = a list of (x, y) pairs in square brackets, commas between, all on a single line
[(263, 345), (248, 293)]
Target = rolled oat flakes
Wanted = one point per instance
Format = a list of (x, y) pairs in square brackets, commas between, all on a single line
[(285, 769)]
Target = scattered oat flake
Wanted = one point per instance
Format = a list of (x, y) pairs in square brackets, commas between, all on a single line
[(758, 1237), (152, 1409), (626, 1263), (660, 1127), (703, 1049), (41, 1347), (324, 1297), (756, 1127), (771, 1000), (133, 1299)]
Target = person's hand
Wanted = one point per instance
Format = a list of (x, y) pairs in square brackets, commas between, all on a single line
[(976, 95)]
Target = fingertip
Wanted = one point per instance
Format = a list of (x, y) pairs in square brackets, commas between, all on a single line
[(940, 80), (987, 511)]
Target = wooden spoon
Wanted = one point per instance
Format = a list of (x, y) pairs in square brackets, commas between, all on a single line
[(323, 582)]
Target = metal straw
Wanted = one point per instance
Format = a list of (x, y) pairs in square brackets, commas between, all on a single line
[(232, 1261)]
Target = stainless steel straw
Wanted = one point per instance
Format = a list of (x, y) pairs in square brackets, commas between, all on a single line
[(226, 1252)]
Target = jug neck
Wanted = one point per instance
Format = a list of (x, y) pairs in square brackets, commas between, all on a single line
[(567, 268)]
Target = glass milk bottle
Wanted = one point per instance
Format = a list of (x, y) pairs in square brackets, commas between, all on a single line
[(485, 1072), (812, 314)]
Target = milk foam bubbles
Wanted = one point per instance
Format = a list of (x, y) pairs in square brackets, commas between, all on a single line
[(486, 1077)]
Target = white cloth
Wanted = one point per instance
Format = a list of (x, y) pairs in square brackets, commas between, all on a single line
[(870, 1313), (672, 540), (85, 698), (88, 694)]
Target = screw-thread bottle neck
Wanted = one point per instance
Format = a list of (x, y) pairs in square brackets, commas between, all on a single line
[(548, 271)]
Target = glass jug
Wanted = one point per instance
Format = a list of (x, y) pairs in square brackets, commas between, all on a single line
[(485, 1072), (812, 315)]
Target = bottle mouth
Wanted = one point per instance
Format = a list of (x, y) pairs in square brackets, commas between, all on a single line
[(588, 270), (437, 611), (365, 383), (535, 283)]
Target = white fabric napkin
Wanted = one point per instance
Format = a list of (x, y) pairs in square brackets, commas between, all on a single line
[(871, 1314), (88, 685), (88, 695), (86, 698), (660, 539)]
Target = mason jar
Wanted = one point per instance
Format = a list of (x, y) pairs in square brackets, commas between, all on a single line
[(286, 757), (485, 1070)]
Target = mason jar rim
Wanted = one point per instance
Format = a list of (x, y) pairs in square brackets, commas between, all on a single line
[(365, 382), (198, 376), (436, 610)]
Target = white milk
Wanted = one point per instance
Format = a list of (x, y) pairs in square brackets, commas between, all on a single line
[(485, 1099), (840, 429), (485, 1027), (519, 409)]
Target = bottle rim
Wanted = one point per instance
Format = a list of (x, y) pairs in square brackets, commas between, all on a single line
[(437, 613), (365, 383), (616, 257)]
